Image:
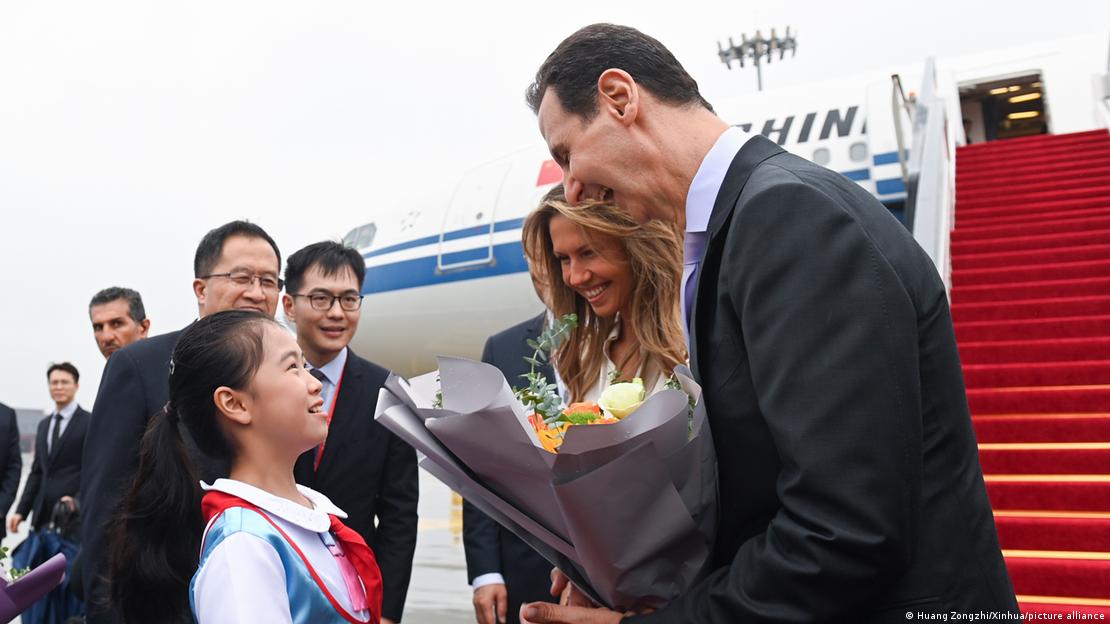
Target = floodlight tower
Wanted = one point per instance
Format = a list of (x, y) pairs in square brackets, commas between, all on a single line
[(757, 49)]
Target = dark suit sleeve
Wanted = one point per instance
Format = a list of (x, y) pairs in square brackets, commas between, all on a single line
[(832, 344), (14, 468), (481, 535), (34, 481), (110, 457), (395, 537)]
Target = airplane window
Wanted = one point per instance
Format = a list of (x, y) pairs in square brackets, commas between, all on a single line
[(821, 156), (857, 151)]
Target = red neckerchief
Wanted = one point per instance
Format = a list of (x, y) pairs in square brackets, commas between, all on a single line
[(331, 412), (215, 503)]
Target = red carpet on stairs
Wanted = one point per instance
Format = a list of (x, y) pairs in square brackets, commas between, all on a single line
[(1031, 307)]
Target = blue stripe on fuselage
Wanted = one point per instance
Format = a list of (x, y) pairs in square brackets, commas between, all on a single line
[(499, 226), (507, 258)]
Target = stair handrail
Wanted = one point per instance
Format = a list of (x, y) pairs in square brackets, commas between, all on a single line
[(930, 189), (898, 103)]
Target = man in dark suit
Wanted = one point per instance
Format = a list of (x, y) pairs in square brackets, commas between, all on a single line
[(504, 571), (118, 318), (11, 462), (56, 469), (236, 266), (364, 469), (850, 486)]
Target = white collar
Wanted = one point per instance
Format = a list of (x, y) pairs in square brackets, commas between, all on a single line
[(333, 370), (711, 174), (315, 520), (66, 412), (614, 333)]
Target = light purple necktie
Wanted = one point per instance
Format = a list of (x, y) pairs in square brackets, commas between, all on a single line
[(694, 250)]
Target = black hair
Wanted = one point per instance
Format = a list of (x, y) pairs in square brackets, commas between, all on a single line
[(330, 256), (154, 543), (573, 69), (135, 308), (212, 245), (64, 366)]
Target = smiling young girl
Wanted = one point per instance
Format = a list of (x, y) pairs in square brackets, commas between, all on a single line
[(269, 550)]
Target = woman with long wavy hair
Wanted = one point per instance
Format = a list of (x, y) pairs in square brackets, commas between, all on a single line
[(622, 279)]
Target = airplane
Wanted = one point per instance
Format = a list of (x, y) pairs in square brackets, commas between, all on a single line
[(441, 278)]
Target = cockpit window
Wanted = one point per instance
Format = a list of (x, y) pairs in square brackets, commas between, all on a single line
[(361, 237)]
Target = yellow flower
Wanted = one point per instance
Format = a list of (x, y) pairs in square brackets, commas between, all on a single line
[(621, 399)]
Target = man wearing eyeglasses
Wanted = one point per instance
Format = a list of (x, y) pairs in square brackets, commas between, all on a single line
[(236, 266), (362, 467)]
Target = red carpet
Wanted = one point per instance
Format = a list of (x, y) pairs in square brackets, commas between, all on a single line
[(1031, 306)]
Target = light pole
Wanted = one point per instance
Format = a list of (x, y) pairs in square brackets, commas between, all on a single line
[(756, 49)]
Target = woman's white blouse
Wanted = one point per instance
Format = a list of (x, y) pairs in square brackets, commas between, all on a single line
[(607, 367)]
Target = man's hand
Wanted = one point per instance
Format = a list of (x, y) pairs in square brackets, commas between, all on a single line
[(491, 603), (567, 593), (386, 620), (547, 613), (14, 522), (69, 503)]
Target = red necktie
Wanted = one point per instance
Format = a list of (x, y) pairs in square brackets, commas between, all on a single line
[(359, 554)]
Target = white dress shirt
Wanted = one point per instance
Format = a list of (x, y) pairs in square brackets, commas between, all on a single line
[(706, 185), (243, 579), (333, 372), (67, 415)]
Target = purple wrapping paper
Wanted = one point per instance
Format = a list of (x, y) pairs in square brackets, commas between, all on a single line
[(628, 510), (17, 596)]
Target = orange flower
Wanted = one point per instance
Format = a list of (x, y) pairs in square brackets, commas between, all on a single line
[(552, 437), (583, 406)]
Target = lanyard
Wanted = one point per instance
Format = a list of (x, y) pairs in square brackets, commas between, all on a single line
[(331, 412)]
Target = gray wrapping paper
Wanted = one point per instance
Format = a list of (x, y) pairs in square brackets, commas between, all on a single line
[(627, 510)]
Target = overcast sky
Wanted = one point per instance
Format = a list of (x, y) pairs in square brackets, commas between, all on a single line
[(128, 129)]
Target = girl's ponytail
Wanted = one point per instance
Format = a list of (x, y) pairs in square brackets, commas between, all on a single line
[(156, 536)]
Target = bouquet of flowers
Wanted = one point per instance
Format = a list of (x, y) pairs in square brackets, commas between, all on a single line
[(627, 508)]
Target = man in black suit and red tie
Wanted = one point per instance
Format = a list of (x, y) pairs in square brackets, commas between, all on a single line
[(362, 467), (503, 570), (237, 266), (850, 485), (56, 469)]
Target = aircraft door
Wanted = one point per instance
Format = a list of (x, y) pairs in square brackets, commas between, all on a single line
[(1003, 107), (466, 239)]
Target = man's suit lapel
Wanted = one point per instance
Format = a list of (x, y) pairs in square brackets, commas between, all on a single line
[(73, 429), (754, 152), (40, 443), (346, 405)]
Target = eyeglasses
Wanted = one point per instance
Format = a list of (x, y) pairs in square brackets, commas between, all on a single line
[(267, 282), (323, 301)]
